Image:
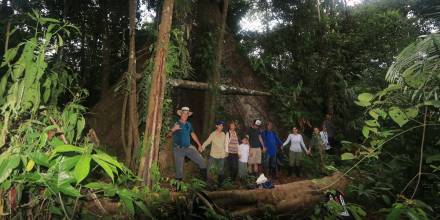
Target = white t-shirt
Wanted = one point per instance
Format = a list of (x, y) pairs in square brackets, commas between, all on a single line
[(296, 142), (243, 152)]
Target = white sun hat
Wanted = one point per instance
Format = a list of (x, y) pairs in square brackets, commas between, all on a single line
[(186, 109)]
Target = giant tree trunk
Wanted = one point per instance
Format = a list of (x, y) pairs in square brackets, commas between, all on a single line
[(212, 95), (157, 92)]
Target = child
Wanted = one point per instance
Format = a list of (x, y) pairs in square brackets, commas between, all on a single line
[(243, 155)]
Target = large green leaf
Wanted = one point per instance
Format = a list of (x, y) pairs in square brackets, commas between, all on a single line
[(82, 168), (68, 163), (69, 190), (127, 200), (105, 166), (365, 97), (398, 116), (8, 164), (347, 156), (40, 158), (67, 148), (105, 157)]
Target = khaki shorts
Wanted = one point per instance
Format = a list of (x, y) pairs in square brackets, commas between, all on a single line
[(254, 156)]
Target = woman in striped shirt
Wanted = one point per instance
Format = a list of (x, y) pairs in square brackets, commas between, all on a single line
[(231, 144)]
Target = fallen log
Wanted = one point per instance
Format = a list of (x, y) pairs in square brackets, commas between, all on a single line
[(283, 199), (224, 89)]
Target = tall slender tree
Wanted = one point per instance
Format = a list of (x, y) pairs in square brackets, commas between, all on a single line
[(133, 117), (153, 126)]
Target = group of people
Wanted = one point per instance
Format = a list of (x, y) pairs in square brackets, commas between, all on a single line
[(245, 154)]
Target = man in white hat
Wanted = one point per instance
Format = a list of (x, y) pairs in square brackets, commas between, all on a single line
[(256, 145), (182, 133)]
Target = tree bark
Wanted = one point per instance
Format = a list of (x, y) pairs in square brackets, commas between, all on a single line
[(212, 95), (157, 92), (133, 142)]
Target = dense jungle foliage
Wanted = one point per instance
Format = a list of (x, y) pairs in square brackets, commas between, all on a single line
[(373, 65)]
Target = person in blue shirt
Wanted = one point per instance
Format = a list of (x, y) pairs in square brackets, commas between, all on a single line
[(182, 132), (271, 142)]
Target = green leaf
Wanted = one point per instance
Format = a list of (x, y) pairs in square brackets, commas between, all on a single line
[(435, 103), (433, 158), (8, 164), (365, 97), (55, 210), (395, 213), (49, 20), (96, 185), (82, 168), (412, 215), (372, 123), (144, 209), (68, 163), (127, 200), (55, 142), (411, 112), (105, 157), (40, 158), (363, 104), (67, 148), (347, 156), (3, 84), (43, 140), (398, 116), (80, 126), (69, 190), (64, 177), (105, 166), (373, 114), (366, 131)]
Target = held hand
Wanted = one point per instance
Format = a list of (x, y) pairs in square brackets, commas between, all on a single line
[(199, 147)]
